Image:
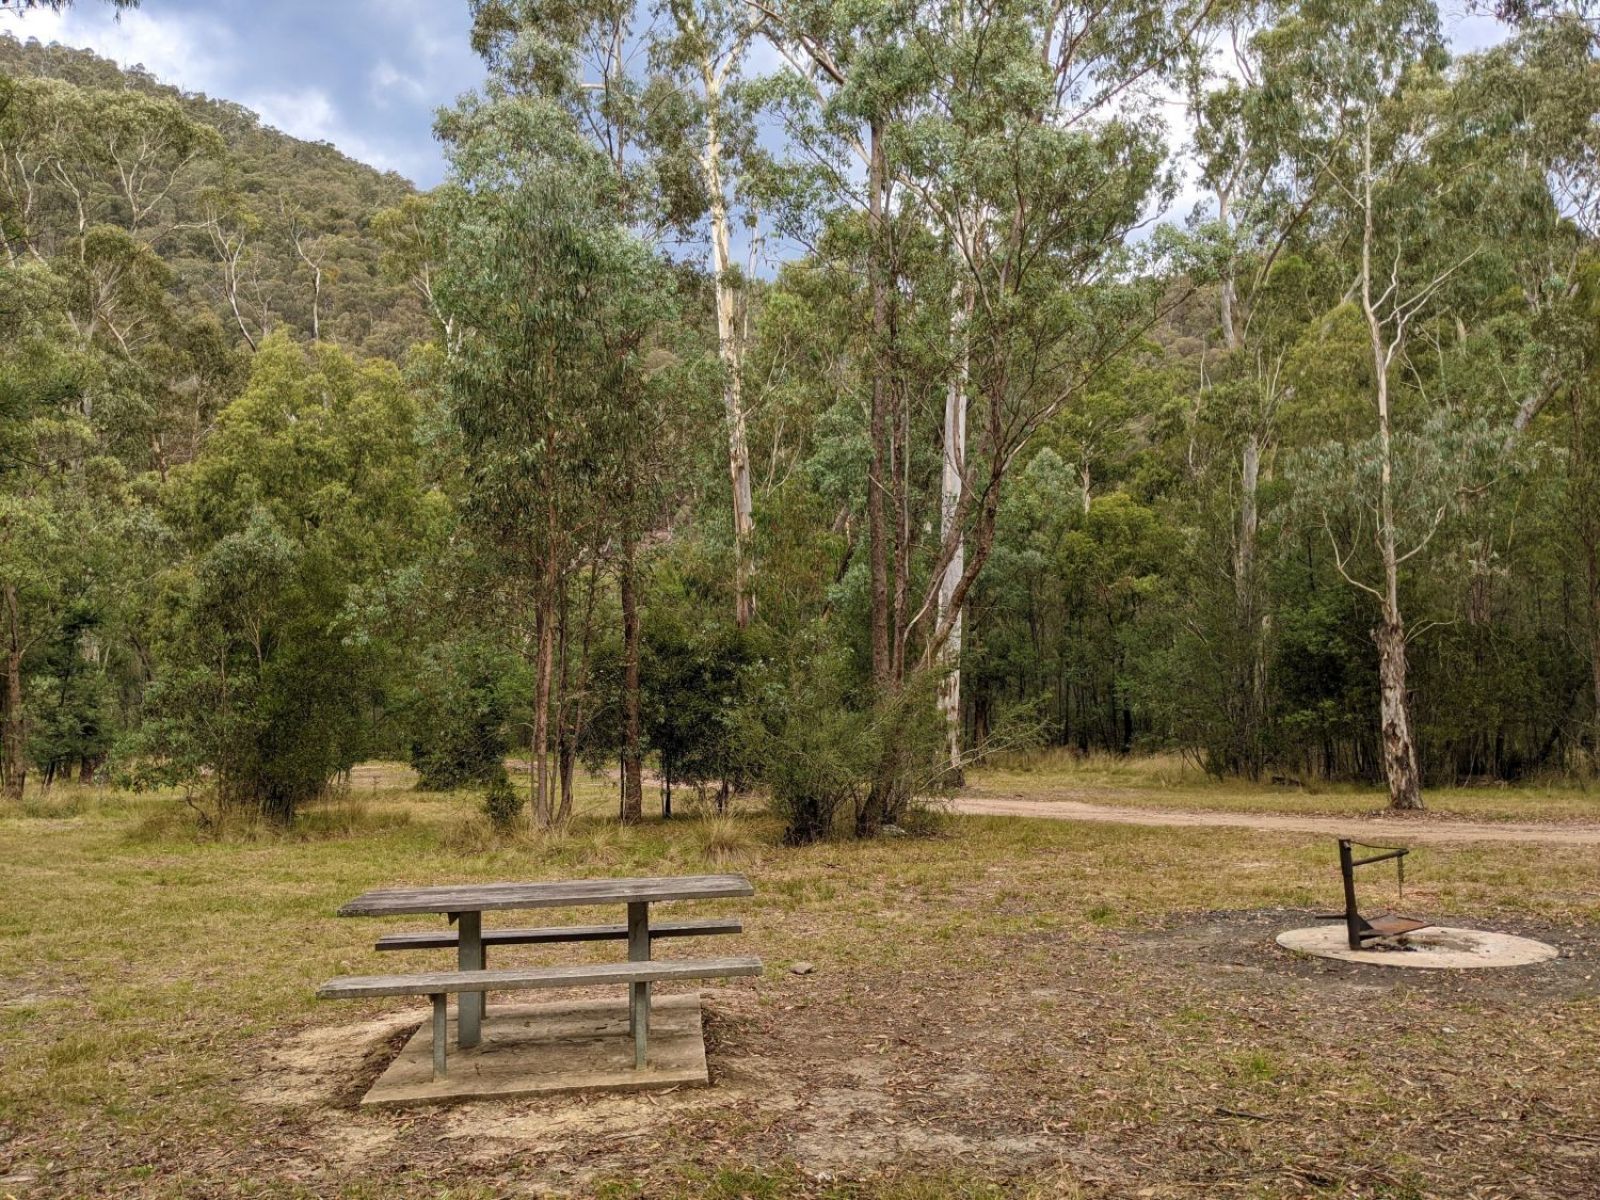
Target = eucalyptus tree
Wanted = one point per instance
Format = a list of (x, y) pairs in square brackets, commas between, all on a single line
[(551, 301), (297, 530), (1533, 101), (98, 368), (411, 253), (37, 430), (581, 63), (1025, 139), (704, 112), (77, 159), (1372, 119), (1256, 216)]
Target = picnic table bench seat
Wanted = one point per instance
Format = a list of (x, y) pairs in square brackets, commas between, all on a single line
[(436, 985), (449, 939)]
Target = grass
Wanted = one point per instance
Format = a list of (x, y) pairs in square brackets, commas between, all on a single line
[(1005, 1008), (1171, 782)]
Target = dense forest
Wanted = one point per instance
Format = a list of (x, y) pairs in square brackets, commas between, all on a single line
[(1212, 376)]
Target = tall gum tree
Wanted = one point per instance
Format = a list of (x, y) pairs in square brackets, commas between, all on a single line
[(579, 60), (1258, 211), (1537, 95), (1371, 130), (550, 299), (705, 59), (1024, 136)]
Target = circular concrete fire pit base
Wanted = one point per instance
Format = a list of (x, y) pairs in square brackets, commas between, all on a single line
[(1439, 948)]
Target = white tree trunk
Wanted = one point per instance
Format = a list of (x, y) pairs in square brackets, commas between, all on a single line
[(955, 455), (1394, 710), (730, 349), (1249, 526)]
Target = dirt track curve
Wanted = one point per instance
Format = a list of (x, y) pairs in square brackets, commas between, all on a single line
[(1420, 829)]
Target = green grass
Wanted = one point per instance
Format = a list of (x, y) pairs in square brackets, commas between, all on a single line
[(152, 965)]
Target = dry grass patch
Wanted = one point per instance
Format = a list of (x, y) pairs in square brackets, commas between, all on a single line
[(1008, 1008)]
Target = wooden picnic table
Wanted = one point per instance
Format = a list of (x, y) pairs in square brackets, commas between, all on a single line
[(466, 903)]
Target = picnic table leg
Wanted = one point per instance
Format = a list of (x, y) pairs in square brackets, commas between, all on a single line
[(439, 1026), (469, 957), (639, 999)]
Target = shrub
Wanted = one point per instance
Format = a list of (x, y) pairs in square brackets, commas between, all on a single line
[(467, 696), (502, 802), (818, 754)]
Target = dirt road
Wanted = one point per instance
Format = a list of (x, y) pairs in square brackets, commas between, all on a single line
[(1421, 829)]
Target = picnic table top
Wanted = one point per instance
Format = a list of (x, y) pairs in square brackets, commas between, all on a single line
[(485, 897)]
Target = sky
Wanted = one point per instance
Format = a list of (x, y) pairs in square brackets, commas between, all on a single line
[(366, 75)]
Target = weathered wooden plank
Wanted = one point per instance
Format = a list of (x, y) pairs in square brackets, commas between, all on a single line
[(488, 897), (639, 1000), (526, 978), (445, 939), (469, 957), (440, 1025)]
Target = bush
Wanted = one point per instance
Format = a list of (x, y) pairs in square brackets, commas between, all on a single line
[(819, 755), (502, 802), (467, 697)]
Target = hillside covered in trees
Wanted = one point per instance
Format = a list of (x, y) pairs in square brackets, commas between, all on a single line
[(298, 466)]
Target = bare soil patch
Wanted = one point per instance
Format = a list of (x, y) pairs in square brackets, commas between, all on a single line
[(1161, 1062), (1233, 944)]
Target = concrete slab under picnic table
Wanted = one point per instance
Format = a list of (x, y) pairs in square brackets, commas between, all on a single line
[(559, 1046)]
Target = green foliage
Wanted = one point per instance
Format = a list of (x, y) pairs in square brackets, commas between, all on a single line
[(308, 493), (245, 564), (502, 802), (819, 751), (469, 694), (67, 118), (697, 671)]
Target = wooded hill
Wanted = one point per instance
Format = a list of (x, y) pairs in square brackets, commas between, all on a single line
[(282, 209)]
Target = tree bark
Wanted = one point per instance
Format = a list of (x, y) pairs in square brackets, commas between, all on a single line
[(1399, 747), (1394, 710), (632, 774), (955, 457), (1591, 563), (565, 736), (540, 745), (542, 809), (730, 349), (13, 722)]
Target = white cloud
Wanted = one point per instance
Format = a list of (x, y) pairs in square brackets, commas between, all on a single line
[(193, 52), (197, 53), (386, 83), (311, 115)]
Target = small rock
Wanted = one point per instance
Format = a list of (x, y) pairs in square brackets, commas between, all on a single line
[(802, 968)]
